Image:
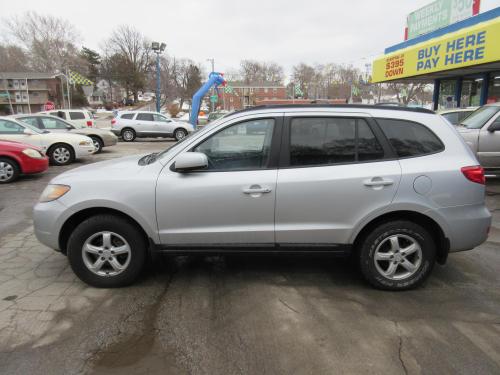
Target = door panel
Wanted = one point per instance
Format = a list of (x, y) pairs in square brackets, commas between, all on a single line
[(323, 204), (163, 125), (213, 207)]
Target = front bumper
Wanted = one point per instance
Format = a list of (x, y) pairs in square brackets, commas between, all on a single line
[(84, 151), (48, 219), (32, 165)]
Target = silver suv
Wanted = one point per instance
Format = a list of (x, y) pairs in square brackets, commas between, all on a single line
[(396, 188), (132, 124)]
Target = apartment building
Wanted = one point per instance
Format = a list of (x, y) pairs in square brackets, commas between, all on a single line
[(239, 95)]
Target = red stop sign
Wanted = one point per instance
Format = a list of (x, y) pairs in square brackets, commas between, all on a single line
[(49, 106)]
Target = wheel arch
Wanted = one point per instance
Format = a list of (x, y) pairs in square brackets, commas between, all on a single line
[(442, 242), (15, 160), (69, 145), (74, 220)]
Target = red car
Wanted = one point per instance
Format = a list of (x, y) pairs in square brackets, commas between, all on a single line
[(19, 158)]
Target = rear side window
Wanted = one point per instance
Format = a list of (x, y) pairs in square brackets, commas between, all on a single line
[(33, 121), (145, 117), (128, 116), (76, 115), (409, 138), (332, 140)]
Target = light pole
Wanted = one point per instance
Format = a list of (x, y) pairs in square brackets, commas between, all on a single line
[(212, 104), (158, 49)]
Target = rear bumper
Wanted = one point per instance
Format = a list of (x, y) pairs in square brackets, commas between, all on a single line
[(116, 132), (110, 140), (468, 225)]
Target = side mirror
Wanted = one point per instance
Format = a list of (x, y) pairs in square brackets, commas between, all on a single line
[(28, 132), (190, 161), (495, 126)]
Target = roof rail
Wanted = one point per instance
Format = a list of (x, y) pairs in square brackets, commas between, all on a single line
[(360, 106)]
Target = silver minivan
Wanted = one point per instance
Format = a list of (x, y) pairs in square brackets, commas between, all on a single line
[(395, 188)]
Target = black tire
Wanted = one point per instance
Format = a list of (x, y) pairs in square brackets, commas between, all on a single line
[(98, 143), (58, 148), (128, 135), (9, 170), (180, 134), (406, 231), (100, 223)]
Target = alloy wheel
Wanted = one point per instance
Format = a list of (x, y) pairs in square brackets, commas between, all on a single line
[(6, 171), (106, 253), (180, 134), (398, 257), (128, 135)]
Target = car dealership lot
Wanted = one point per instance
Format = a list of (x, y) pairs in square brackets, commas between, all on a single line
[(239, 314)]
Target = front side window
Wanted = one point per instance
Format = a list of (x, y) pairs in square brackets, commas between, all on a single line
[(145, 117), (33, 121), (409, 138), (9, 127), (243, 146), (53, 123), (76, 115), (332, 140), (160, 118)]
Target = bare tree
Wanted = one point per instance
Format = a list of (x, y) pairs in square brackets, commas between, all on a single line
[(407, 92), (13, 59), (48, 41), (134, 52), (255, 71)]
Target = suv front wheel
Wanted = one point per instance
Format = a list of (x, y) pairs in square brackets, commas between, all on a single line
[(397, 255), (107, 251)]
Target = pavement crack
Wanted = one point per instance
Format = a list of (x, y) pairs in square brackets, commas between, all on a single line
[(288, 306), (400, 348)]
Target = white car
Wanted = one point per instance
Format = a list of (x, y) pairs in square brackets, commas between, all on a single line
[(61, 148), (133, 124), (79, 117)]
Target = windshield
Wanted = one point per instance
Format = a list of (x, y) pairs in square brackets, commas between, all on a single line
[(480, 117)]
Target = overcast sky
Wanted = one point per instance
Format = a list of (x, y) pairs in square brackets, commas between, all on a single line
[(284, 31)]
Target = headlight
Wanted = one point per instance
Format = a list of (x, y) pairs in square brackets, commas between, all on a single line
[(86, 143), (32, 153), (53, 192)]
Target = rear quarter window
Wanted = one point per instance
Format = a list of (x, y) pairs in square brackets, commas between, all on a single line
[(410, 139), (127, 116)]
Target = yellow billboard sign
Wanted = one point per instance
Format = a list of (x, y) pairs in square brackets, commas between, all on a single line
[(475, 45)]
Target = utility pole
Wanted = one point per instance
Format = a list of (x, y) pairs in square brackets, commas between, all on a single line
[(158, 49), (212, 90)]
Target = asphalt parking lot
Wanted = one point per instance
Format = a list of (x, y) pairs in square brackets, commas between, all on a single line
[(239, 314)]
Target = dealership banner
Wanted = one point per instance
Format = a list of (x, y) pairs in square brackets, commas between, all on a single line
[(475, 45), (439, 13)]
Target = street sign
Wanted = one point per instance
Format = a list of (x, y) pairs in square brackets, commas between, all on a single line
[(438, 14), (213, 98), (48, 106)]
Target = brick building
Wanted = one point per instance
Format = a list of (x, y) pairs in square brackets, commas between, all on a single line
[(25, 92), (239, 95)]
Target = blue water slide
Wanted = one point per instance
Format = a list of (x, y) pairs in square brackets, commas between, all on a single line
[(214, 79)]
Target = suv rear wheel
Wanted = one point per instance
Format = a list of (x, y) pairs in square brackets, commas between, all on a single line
[(107, 251), (397, 255), (128, 135)]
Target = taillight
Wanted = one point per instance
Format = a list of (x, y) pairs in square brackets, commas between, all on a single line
[(113, 122), (474, 174), (89, 123)]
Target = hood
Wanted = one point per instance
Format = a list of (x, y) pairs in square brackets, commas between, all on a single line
[(464, 130), (65, 136), (105, 170)]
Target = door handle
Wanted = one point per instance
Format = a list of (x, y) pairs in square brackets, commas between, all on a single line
[(257, 189), (378, 181)]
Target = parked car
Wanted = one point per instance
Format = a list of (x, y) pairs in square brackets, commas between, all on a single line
[(100, 137), (19, 158), (78, 117), (457, 115), (481, 131), (132, 124), (62, 149), (396, 188)]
